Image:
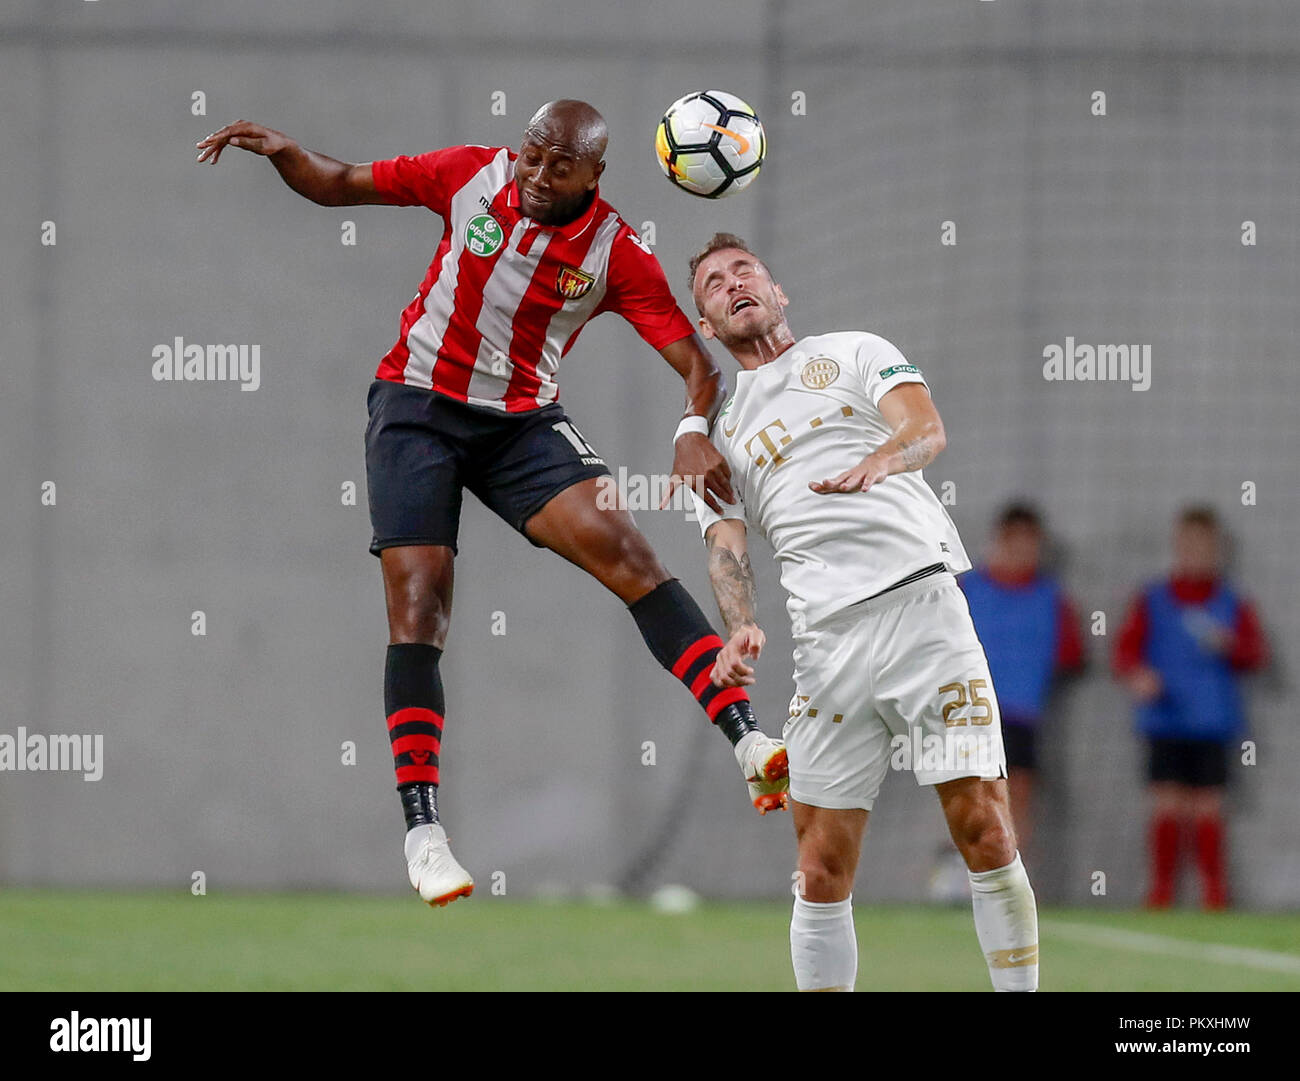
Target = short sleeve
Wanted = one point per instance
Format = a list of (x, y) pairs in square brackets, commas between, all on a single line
[(883, 367), (636, 288), (429, 179), (707, 516)]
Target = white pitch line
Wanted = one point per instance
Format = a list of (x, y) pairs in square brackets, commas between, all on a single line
[(1240, 956)]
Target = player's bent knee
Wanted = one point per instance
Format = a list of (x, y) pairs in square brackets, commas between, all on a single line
[(419, 619), (418, 612), (823, 885), (630, 566), (825, 874), (989, 845), (417, 589), (632, 551)]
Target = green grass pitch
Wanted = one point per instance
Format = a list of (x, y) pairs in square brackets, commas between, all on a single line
[(61, 940)]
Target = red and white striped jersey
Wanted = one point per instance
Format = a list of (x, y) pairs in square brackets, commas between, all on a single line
[(505, 297)]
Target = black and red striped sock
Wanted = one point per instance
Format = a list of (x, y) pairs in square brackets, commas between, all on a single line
[(683, 642), (414, 705)]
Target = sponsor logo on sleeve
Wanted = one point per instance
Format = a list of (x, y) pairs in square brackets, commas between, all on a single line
[(899, 369)]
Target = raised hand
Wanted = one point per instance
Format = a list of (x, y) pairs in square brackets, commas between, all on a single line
[(700, 465), (860, 478), (244, 134)]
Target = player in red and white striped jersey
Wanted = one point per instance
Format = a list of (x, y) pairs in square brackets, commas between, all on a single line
[(534, 287), (467, 398)]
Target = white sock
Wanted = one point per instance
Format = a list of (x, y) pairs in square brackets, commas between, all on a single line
[(742, 747), (1006, 922), (823, 945)]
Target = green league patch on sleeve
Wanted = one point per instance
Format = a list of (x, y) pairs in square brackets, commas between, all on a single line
[(899, 369)]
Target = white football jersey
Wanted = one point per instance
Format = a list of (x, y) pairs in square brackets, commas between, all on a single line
[(809, 415)]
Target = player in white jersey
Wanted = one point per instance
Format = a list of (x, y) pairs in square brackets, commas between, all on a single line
[(826, 437)]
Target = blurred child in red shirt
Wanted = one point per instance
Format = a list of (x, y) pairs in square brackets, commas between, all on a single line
[(1185, 643)]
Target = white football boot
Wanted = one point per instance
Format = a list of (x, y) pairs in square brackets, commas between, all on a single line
[(432, 868), (767, 771)]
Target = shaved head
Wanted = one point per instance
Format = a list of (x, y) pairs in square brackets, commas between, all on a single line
[(560, 161), (574, 125)]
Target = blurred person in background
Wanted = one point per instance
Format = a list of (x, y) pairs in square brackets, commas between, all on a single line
[(1185, 643), (1031, 636)]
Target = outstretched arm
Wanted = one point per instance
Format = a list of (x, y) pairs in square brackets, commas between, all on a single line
[(696, 461), (917, 439), (733, 586), (313, 176)]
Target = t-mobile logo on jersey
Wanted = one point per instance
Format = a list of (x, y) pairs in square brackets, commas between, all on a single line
[(179, 362)]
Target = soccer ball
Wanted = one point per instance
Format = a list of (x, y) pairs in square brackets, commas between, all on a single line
[(710, 143)]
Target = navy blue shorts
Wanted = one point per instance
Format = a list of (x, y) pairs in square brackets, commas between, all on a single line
[(423, 449), (1019, 739), (1196, 762)]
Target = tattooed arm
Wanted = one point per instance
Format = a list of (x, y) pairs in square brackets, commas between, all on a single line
[(733, 586), (917, 440), (730, 573)]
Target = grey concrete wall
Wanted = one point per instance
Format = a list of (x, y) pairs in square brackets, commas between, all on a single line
[(223, 751)]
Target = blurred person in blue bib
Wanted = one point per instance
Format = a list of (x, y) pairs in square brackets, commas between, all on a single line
[(1031, 636), (1185, 643)]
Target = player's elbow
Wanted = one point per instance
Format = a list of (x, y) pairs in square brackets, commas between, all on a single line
[(345, 186), (938, 438), (726, 536)]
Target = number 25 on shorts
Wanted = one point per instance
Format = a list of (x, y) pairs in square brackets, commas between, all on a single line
[(975, 701)]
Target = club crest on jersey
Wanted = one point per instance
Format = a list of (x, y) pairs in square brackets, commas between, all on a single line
[(819, 373), (483, 234), (572, 283)]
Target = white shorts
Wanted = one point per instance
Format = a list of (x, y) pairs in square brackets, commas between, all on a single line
[(896, 681)]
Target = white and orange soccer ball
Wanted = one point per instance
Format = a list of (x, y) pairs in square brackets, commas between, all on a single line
[(710, 143)]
